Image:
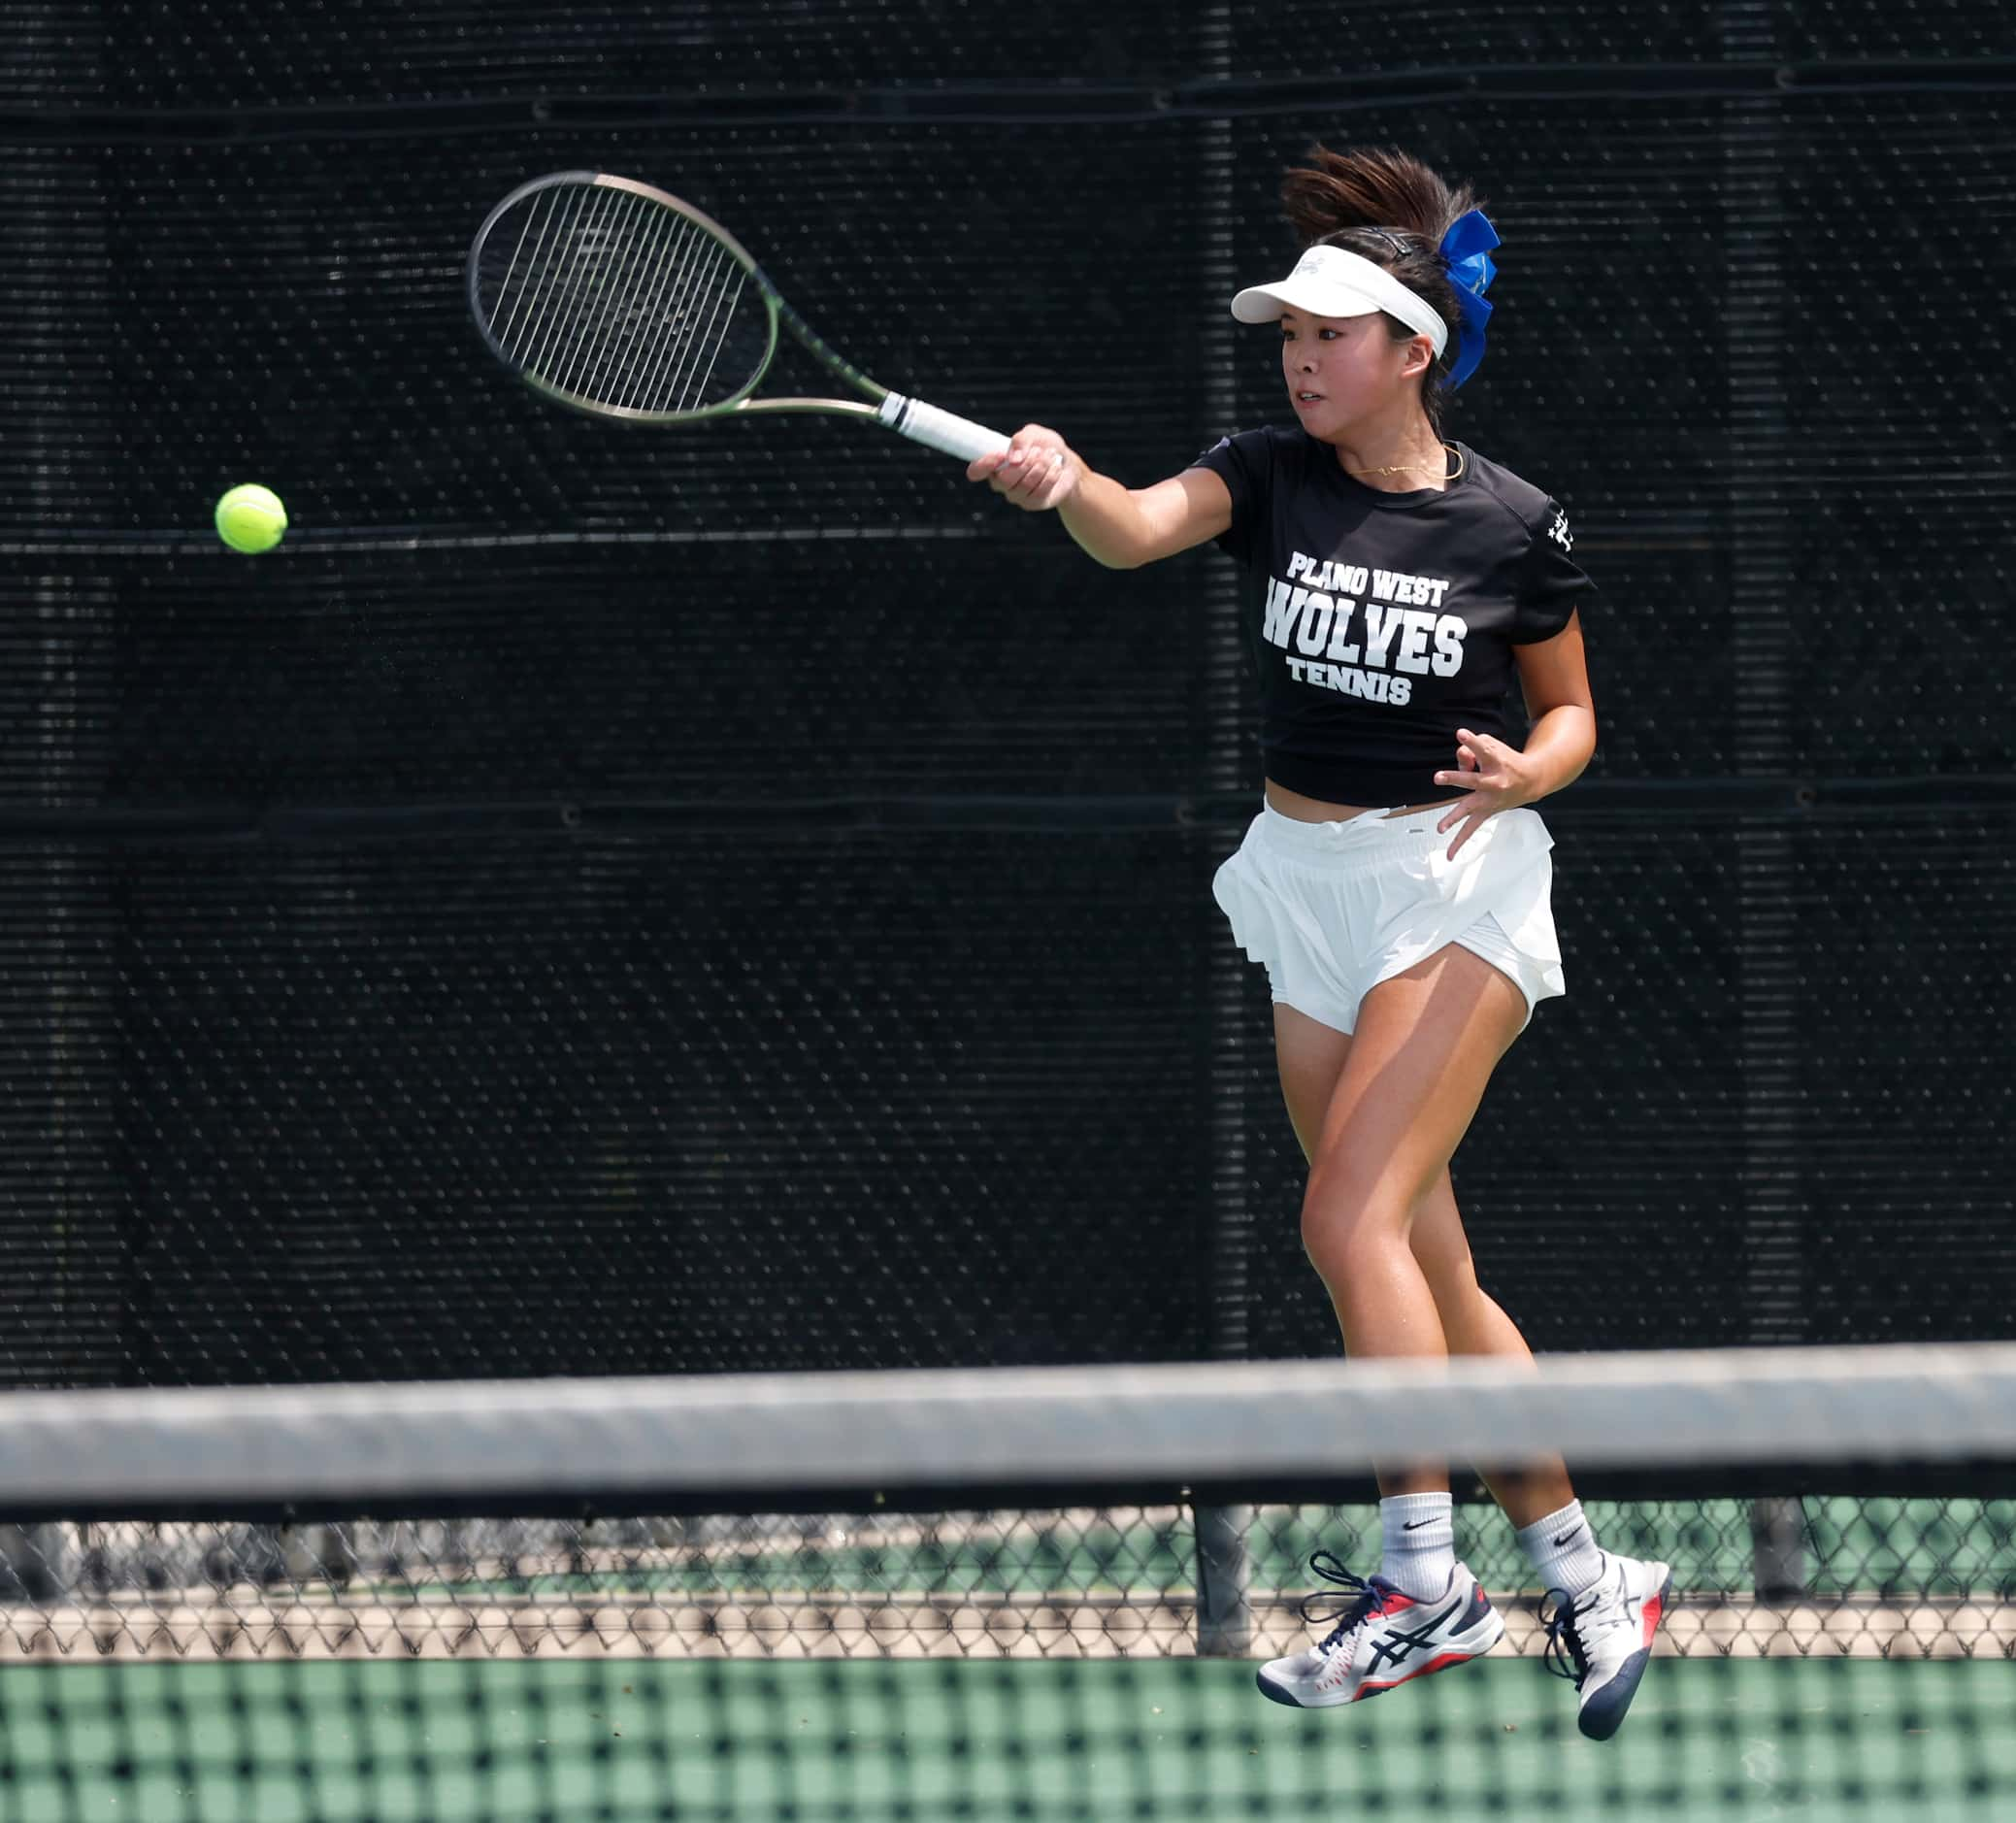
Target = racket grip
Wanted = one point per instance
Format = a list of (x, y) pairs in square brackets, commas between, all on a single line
[(944, 431)]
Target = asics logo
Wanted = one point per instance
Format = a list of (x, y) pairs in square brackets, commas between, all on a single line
[(1398, 1643)]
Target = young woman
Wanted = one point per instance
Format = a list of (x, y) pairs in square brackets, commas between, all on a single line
[(1396, 882)]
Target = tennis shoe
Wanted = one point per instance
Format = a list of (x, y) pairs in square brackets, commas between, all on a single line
[(1601, 1640), (1380, 1639)]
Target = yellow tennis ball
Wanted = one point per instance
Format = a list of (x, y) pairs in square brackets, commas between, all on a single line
[(251, 519)]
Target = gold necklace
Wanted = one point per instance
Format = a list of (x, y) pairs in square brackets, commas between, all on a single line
[(1411, 467)]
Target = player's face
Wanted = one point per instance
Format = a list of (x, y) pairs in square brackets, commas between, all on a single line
[(1341, 368)]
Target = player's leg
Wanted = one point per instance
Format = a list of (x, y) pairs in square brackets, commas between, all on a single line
[(1310, 1058), (1405, 1088), (1475, 1324), (1605, 1608), (1425, 1045)]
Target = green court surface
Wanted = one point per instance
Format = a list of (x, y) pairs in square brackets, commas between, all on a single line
[(1088, 1740)]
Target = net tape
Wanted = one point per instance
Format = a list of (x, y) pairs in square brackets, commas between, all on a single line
[(1218, 1423)]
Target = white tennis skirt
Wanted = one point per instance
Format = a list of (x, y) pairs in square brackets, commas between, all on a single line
[(1335, 908)]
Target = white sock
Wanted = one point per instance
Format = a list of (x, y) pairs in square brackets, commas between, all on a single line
[(1418, 1543), (1562, 1549)]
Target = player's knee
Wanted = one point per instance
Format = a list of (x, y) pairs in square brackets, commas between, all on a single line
[(1345, 1217)]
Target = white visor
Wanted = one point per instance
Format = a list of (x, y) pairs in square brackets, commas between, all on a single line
[(1329, 282)]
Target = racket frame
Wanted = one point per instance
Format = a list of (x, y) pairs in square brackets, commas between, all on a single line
[(910, 418)]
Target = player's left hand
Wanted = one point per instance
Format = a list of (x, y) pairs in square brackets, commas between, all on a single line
[(1497, 777)]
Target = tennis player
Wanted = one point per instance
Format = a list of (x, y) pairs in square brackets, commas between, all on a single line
[(1397, 882)]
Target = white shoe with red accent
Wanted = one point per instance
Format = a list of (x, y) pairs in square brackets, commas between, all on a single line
[(1381, 1639), (1601, 1640)]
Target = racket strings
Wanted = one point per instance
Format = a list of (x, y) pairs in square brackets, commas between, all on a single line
[(607, 297)]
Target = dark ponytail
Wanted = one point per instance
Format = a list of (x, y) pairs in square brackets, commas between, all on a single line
[(1393, 211)]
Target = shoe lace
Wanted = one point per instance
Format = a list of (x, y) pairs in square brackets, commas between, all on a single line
[(1348, 1610), (1567, 1651)]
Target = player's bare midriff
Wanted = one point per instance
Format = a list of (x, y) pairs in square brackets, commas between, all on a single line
[(1316, 810)]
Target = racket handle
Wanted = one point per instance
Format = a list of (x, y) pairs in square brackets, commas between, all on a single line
[(944, 431)]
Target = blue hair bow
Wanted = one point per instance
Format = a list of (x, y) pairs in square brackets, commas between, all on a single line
[(1467, 249)]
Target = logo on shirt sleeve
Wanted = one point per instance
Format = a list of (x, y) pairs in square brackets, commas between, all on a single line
[(1559, 532)]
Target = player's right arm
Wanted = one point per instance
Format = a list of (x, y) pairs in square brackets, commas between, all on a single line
[(1121, 527)]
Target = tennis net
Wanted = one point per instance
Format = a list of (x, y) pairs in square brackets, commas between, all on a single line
[(990, 1595)]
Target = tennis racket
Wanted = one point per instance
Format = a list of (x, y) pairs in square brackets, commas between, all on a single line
[(619, 299)]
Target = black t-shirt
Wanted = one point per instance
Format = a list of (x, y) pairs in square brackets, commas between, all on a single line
[(1382, 623)]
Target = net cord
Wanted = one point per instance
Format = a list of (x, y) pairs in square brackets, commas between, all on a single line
[(1206, 1423)]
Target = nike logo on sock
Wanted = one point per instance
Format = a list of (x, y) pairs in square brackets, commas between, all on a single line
[(1571, 1532), (1415, 1525)]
